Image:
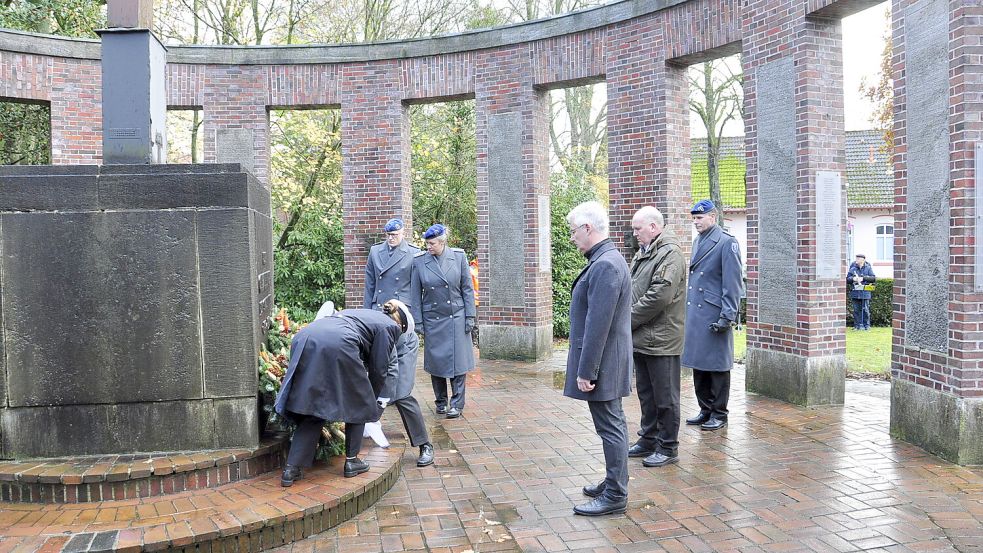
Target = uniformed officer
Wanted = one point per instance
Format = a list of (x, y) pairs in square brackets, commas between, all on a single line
[(387, 277), (443, 306), (713, 301)]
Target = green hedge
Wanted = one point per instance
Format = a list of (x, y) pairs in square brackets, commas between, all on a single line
[(880, 304)]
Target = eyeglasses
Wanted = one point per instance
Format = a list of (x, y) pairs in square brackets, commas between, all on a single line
[(574, 231), (393, 234)]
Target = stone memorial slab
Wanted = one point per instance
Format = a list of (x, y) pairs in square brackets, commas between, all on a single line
[(545, 238), (829, 225), (775, 82), (506, 221), (978, 189), (235, 146), (926, 27)]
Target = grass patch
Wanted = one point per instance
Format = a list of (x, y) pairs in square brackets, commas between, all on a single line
[(867, 351)]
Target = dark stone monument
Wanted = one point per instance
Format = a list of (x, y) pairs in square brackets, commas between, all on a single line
[(133, 299)]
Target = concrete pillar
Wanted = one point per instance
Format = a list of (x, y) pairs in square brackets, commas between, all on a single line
[(516, 312), (648, 130), (937, 360), (796, 346), (375, 149)]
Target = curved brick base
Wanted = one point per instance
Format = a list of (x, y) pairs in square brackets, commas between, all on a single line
[(88, 479), (249, 515)]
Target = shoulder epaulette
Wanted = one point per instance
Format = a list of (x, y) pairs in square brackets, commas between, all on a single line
[(378, 243), (419, 253), (459, 250)]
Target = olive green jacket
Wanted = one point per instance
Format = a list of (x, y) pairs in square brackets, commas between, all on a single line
[(658, 293)]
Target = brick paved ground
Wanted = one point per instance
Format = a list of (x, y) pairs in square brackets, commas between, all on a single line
[(778, 478)]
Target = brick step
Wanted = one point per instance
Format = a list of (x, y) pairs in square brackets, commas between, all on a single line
[(249, 515), (119, 477)]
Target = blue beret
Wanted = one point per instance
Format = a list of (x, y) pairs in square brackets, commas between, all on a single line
[(394, 224), (434, 231), (701, 207)]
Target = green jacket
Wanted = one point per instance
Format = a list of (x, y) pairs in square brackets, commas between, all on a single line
[(658, 293)]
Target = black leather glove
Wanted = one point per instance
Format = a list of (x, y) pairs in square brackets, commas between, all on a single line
[(468, 325), (720, 326)]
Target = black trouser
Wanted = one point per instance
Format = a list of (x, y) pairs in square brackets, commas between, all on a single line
[(712, 392), (412, 415), (611, 427), (657, 379), (303, 445), (457, 390)]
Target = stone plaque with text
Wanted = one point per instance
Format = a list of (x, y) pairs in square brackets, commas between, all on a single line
[(829, 225)]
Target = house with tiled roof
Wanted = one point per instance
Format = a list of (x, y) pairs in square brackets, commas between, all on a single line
[(869, 189)]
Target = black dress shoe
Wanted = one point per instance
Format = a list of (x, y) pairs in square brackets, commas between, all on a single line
[(454, 412), (601, 506), (713, 424), (698, 419), (441, 410), (594, 490), (426, 455), (290, 474), (354, 467), (659, 460), (638, 451)]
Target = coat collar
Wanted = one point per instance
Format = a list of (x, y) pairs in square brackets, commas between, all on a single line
[(706, 245), (664, 238), (597, 251), (433, 264), (398, 252)]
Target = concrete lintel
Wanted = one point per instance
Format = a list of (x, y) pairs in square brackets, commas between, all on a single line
[(940, 423), (806, 381), (524, 343)]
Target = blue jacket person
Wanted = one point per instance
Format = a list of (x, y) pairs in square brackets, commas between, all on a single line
[(443, 307), (712, 304), (860, 279)]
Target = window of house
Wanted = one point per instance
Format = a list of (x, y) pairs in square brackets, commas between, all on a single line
[(885, 242)]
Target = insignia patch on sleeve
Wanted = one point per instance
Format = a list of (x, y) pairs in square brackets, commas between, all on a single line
[(733, 247)]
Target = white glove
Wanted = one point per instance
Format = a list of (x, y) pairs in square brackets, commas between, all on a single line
[(383, 402), (374, 430)]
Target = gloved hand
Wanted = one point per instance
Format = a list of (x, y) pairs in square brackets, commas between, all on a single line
[(383, 402), (720, 326), (468, 325)]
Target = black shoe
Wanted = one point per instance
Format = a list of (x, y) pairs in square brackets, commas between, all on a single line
[(659, 460), (713, 424), (638, 451), (601, 506), (454, 412), (594, 490), (426, 455), (698, 419), (290, 474), (354, 467), (441, 410)]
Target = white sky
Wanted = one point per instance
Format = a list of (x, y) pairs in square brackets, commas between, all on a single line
[(863, 42)]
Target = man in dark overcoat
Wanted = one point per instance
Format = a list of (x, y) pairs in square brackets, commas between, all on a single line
[(713, 299), (599, 361), (339, 366), (442, 303), (388, 276), (658, 311)]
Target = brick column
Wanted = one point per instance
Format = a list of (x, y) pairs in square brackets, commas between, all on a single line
[(516, 312), (375, 147), (937, 356), (795, 191), (76, 110), (648, 130), (237, 123)]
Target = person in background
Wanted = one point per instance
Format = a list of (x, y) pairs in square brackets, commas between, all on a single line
[(860, 278), (339, 371), (442, 304)]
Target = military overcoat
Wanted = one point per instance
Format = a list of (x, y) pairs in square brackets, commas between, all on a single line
[(714, 291), (600, 327), (387, 276), (442, 298), (339, 366)]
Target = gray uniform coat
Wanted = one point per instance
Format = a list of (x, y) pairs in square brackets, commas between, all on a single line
[(600, 327), (714, 291), (339, 366), (442, 297), (387, 277)]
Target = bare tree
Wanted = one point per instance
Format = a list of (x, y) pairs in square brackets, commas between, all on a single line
[(717, 98), (881, 93)]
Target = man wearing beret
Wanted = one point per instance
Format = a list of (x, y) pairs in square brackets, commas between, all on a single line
[(712, 304), (442, 302), (387, 277)]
